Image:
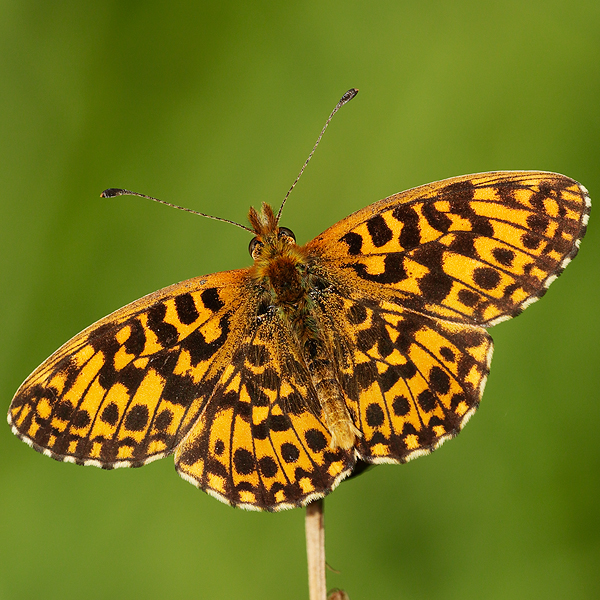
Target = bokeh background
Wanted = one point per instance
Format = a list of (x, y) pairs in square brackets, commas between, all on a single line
[(215, 105)]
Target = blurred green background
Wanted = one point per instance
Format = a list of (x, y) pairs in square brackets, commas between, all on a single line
[(215, 106)]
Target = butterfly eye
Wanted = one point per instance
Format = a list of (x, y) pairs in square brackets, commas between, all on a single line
[(285, 232), (254, 247)]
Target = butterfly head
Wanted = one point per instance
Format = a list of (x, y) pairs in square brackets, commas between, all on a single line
[(270, 239), (279, 263)]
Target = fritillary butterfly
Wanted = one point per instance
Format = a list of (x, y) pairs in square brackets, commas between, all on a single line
[(368, 344)]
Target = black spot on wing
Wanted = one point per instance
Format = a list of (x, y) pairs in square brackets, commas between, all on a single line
[(131, 377), (389, 378), (110, 414), (436, 219), (279, 423), (468, 298), (137, 418), (268, 467), (447, 354), (504, 256), (464, 243), (458, 193), (97, 337), (165, 332), (260, 431), (385, 346), (186, 308), (81, 418), (379, 231), (538, 223), (410, 234), (136, 341), (64, 410), (354, 241), (181, 390), (426, 400), (163, 420), (439, 380), (375, 416), (211, 300), (486, 278), (243, 461), (289, 452), (401, 406), (316, 440)]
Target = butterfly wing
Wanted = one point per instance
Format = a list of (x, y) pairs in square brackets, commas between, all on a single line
[(260, 442), (189, 367), (127, 389), (475, 249), (409, 283), (410, 381)]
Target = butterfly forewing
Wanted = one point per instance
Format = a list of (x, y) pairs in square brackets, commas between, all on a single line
[(475, 249), (126, 390)]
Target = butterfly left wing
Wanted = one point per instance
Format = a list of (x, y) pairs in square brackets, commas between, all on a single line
[(475, 249), (125, 390), (191, 368)]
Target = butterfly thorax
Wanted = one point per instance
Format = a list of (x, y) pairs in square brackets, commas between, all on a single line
[(282, 270)]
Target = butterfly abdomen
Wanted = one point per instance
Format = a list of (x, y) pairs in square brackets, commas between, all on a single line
[(329, 392)]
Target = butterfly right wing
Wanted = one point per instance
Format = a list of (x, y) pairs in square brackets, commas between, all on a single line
[(474, 249), (127, 389), (410, 381)]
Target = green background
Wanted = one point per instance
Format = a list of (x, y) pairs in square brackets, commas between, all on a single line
[(215, 106)]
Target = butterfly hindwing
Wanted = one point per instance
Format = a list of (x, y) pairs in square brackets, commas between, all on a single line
[(259, 442), (410, 381)]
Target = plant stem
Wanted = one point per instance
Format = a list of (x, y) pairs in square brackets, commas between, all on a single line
[(315, 550)]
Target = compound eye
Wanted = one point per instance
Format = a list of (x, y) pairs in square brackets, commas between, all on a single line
[(254, 247), (285, 232)]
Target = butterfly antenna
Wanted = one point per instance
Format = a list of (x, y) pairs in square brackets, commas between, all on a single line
[(113, 192), (343, 100)]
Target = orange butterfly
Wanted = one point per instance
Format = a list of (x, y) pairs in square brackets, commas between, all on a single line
[(367, 344)]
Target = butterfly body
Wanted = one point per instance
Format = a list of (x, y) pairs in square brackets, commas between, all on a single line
[(368, 343), (285, 275)]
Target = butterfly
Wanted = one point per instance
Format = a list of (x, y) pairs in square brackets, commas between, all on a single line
[(369, 344)]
